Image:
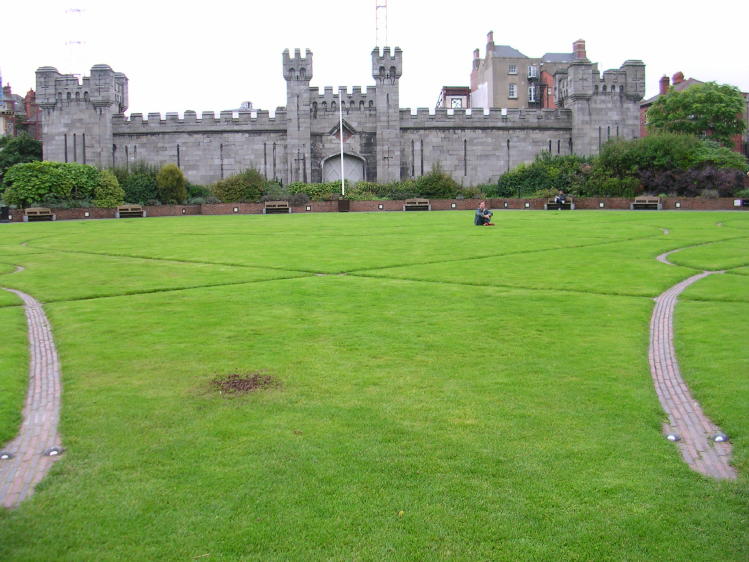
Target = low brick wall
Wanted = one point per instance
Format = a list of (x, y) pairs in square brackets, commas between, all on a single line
[(497, 204)]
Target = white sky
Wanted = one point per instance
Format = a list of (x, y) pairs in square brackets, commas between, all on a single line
[(213, 55)]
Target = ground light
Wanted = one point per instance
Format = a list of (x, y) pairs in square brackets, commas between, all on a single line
[(720, 437), (5, 455), (53, 451), (673, 437)]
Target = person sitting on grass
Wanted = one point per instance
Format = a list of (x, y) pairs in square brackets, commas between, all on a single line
[(483, 216)]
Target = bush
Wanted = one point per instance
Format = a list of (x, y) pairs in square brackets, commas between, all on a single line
[(18, 150), (170, 184), (247, 186), (139, 182), (32, 182), (108, 193), (546, 172), (437, 185), (194, 191)]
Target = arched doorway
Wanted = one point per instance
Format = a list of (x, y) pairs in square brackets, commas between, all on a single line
[(353, 168)]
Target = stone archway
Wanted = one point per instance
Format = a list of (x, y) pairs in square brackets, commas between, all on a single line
[(353, 168)]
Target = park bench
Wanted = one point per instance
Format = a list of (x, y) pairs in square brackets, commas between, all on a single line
[(646, 203), (38, 214), (129, 211), (552, 205), (417, 205), (272, 207)]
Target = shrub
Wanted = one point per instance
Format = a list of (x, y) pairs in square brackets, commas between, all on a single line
[(437, 184), (108, 193), (743, 193), (194, 191), (138, 181), (546, 172), (247, 186), (18, 150), (170, 184), (32, 182)]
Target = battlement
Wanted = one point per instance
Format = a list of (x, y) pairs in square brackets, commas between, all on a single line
[(227, 120), (480, 118), (583, 80), (297, 67), (103, 88), (328, 101), (387, 66)]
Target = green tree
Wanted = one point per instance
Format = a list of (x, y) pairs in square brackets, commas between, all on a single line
[(16, 150), (705, 110), (170, 183)]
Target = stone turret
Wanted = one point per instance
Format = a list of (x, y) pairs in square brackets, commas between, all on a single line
[(387, 70), (297, 71), (77, 115)]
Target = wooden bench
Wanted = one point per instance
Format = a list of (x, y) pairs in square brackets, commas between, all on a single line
[(552, 205), (646, 203), (38, 214), (272, 207), (417, 205), (129, 211)]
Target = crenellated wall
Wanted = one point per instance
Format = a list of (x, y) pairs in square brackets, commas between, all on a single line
[(84, 121)]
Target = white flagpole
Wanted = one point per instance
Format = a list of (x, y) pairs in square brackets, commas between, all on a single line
[(340, 132)]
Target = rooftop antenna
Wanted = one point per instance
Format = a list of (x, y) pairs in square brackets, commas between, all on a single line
[(381, 22), (73, 44)]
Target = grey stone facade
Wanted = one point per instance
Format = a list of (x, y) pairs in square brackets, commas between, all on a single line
[(85, 122)]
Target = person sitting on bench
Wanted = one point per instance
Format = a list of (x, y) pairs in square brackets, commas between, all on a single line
[(560, 199), (483, 216)]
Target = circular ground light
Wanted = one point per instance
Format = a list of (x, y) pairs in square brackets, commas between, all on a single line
[(720, 437), (5, 455), (673, 437), (53, 451)]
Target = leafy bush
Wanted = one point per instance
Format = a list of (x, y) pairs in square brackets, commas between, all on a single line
[(32, 182), (317, 191), (108, 193), (194, 191), (170, 184), (139, 182), (247, 186), (547, 172), (274, 191), (743, 193), (437, 184)]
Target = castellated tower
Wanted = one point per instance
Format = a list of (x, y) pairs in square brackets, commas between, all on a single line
[(297, 71), (77, 116), (602, 107), (387, 70)]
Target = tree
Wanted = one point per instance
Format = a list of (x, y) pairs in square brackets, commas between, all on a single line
[(705, 110), (17, 150), (170, 183), (108, 193)]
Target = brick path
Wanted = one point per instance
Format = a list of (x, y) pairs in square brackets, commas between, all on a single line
[(686, 418), (29, 464)]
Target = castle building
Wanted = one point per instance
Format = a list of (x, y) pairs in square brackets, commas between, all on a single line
[(84, 121)]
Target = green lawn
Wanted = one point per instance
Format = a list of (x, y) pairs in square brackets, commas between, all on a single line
[(446, 392)]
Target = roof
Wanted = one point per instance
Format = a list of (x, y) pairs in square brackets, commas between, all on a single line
[(558, 57), (683, 85), (508, 52)]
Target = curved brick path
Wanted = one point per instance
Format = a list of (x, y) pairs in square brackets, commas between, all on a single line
[(686, 418), (30, 463)]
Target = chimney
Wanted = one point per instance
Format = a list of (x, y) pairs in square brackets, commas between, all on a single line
[(490, 41), (578, 48), (476, 59), (677, 78), (663, 85)]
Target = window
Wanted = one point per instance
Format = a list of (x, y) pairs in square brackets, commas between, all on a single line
[(532, 94), (513, 91), (512, 69), (456, 103), (532, 72)]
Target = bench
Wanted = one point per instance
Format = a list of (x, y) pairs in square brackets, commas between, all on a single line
[(272, 207), (129, 211), (417, 205), (646, 203), (38, 214), (552, 205)]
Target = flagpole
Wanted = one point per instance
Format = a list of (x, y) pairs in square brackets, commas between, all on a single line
[(340, 133)]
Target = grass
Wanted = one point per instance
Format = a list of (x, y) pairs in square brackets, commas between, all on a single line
[(447, 392)]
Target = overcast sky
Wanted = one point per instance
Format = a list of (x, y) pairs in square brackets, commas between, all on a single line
[(213, 55)]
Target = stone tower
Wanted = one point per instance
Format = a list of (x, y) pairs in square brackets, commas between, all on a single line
[(602, 107), (77, 116), (297, 71), (387, 70)]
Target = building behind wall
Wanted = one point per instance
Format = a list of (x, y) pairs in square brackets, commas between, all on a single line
[(84, 121)]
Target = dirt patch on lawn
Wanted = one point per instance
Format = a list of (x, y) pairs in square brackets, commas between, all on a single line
[(237, 383)]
